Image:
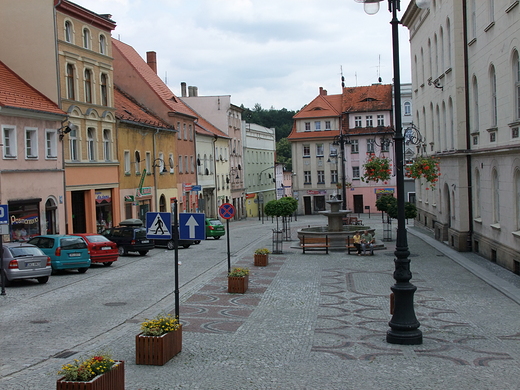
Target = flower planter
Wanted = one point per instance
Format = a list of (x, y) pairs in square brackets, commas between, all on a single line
[(238, 284), (261, 260), (111, 380), (157, 350)]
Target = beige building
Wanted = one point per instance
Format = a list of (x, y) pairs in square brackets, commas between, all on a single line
[(466, 94)]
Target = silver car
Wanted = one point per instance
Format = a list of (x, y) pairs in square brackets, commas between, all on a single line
[(25, 261)]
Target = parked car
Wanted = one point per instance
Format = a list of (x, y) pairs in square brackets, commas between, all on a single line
[(66, 252), (102, 250), (168, 243), (130, 236), (25, 261), (214, 228)]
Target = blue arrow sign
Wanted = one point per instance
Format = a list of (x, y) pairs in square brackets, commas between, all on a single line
[(158, 226), (4, 215), (191, 226)]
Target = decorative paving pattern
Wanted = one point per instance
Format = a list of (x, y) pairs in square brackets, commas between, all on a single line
[(353, 310), (213, 310)]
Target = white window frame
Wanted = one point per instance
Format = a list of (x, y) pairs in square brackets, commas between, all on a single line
[(126, 159), (9, 142), (307, 126), (354, 146), (321, 177), (307, 177), (31, 143), (369, 121), (317, 125), (51, 144), (327, 125), (320, 150), (102, 44), (357, 121), (148, 161), (306, 150), (68, 28), (171, 163), (86, 38), (107, 155), (73, 145), (380, 120), (91, 144)]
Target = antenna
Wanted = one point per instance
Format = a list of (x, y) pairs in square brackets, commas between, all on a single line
[(342, 77), (379, 70), (166, 77), (355, 75)]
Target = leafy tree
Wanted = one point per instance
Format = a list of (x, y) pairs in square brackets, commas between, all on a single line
[(384, 202), (283, 153)]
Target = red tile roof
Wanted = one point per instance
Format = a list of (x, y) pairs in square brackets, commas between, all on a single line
[(321, 106), (151, 78), (375, 97), (16, 93), (128, 109)]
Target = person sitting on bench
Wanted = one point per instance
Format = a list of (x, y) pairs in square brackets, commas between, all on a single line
[(357, 242), (367, 241)]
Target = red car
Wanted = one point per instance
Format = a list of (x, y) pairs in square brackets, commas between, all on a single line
[(101, 249)]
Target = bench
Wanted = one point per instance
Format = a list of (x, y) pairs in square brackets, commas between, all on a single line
[(350, 245), (315, 243)]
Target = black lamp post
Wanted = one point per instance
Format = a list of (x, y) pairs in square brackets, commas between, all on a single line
[(404, 326), (342, 140)]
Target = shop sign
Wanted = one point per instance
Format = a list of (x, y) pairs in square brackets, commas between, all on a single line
[(145, 191), (384, 190), (187, 187), (316, 192), (103, 196), (129, 198)]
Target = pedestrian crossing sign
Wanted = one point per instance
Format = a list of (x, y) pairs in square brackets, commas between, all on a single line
[(158, 226)]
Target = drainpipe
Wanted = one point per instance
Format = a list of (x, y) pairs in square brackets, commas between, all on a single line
[(468, 128), (153, 167)]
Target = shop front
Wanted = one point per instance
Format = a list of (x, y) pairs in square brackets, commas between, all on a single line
[(24, 218), (104, 215)]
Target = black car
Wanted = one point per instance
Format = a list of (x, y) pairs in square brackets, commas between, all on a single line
[(130, 236), (168, 243)]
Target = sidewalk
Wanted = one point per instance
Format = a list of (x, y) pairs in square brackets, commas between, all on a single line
[(319, 321)]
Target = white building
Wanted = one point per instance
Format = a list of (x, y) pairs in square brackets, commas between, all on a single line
[(466, 95)]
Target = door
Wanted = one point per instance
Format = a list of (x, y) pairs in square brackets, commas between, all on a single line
[(307, 205), (319, 203), (79, 224), (358, 204)]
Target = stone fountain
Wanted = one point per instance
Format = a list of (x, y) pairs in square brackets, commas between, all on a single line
[(335, 230)]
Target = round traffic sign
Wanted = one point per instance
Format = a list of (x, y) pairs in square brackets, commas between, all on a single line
[(226, 210)]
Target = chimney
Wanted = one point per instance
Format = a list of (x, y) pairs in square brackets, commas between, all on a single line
[(151, 60), (190, 91), (195, 91), (323, 92), (183, 89)]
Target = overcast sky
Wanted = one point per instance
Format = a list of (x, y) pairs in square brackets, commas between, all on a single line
[(273, 52)]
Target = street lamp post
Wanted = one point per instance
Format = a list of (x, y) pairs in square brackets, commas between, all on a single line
[(404, 326), (342, 140)]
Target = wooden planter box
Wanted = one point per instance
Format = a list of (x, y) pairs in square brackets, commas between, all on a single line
[(157, 350), (238, 284), (261, 260), (111, 380)]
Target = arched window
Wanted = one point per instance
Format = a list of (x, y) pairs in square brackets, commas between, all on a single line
[(476, 195), (104, 90), (70, 82), (68, 31), (493, 93), (476, 124), (441, 37), (88, 85), (162, 204), (106, 145), (91, 144), (517, 198), (102, 44), (448, 41), (516, 80), (86, 38), (407, 108), (495, 196)]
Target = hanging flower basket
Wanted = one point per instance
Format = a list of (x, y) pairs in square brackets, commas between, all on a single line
[(376, 169), (425, 167)]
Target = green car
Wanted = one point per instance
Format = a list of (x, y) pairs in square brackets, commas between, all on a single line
[(214, 228)]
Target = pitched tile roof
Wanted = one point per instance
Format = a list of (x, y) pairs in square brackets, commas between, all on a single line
[(151, 78), (128, 109), (375, 97), (16, 93), (321, 106)]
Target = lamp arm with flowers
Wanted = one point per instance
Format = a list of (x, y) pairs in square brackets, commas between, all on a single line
[(376, 169), (425, 167)]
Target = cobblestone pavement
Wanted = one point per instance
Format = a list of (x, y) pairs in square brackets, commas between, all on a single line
[(320, 321)]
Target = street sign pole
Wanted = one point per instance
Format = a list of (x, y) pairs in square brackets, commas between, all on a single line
[(176, 257), (2, 265), (227, 211), (4, 221), (228, 248)]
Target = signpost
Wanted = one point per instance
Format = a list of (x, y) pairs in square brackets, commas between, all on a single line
[(158, 226), (191, 226), (227, 211), (4, 226)]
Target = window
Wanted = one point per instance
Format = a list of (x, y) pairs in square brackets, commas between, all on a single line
[(319, 150), (191, 133), (51, 144), (321, 177), (317, 125), (493, 136), (161, 163), (180, 164), (370, 145), (354, 146), (385, 145), (127, 162), (476, 120), (355, 172), (86, 38), (306, 150), (88, 85), (73, 145), (380, 120), (31, 143), (184, 131), (307, 126), (102, 44), (104, 90), (357, 121), (192, 164), (494, 111), (477, 210), (137, 167), (179, 134), (475, 140), (496, 197), (186, 166), (516, 78), (514, 132), (517, 198), (148, 158), (70, 82), (9, 141), (170, 161), (333, 151), (334, 176), (106, 145), (369, 121), (68, 31), (307, 177), (91, 155), (327, 125)]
